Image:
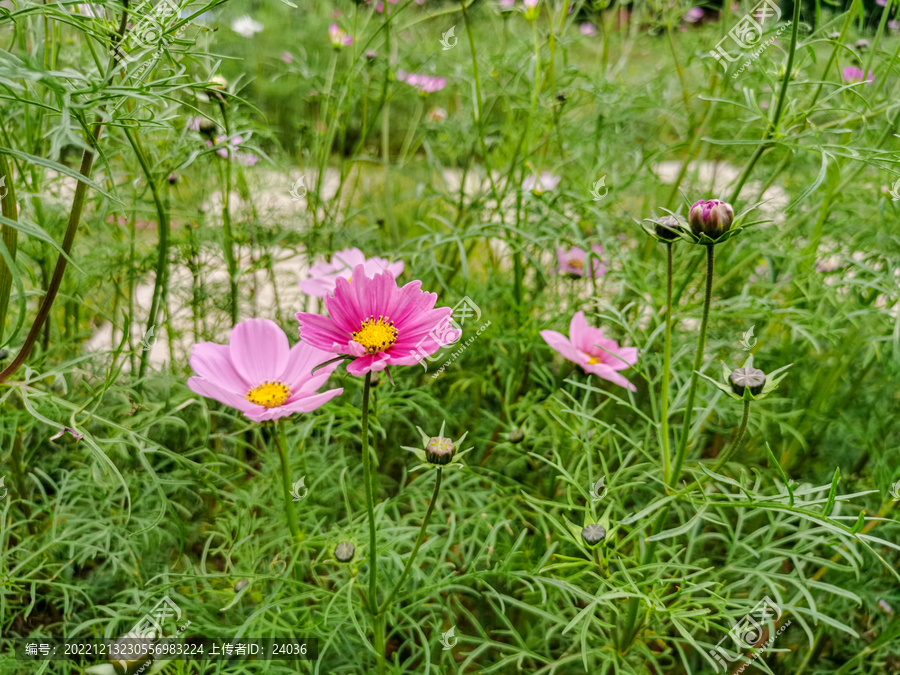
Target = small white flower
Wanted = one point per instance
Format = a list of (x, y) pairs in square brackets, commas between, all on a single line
[(246, 26)]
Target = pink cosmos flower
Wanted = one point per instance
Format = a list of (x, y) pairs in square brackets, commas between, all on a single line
[(426, 84), (540, 184), (287, 57), (245, 158), (258, 373), (376, 323), (587, 347), (507, 4), (854, 74), (338, 37), (572, 261), (324, 276), (894, 25), (589, 30), (693, 15)]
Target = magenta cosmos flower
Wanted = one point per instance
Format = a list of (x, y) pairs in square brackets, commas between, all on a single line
[(589, 29), (324, 276), (338, 37), (854, 74), (591, 350), (258, 373), (572, 261), (376, 323)]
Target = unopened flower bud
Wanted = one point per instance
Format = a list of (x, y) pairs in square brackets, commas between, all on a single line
[(173, 178), (240, 585), (711, 217), (561, 96), (207, 127), (752, 378), (593, 534), (516, 436), (667, 228), (439, 450), (344, 551), (862, 45)]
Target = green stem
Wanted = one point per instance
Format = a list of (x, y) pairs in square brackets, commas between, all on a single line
[(667, 357), (779, 109), (695, 374), (419, 540), (286, 483), (370, 507), (735, 446), (228, 242), (87, 162)]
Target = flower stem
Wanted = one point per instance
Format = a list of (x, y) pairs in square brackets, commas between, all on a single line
[(667, 357), (228, 239), (286, 483), (735, 446), (698, 363), (419, 540), (370, 507)]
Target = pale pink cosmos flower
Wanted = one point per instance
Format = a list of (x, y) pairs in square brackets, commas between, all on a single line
[(588, 29), (539, 184), (531, 4), (426, 84), (572, 261), (376, 323), (260, 374), (338, 37), (507, 4), (693, 15), (590, 349), (894, 25), (287, 57), (244, 158), (323, 277), (854, 74)]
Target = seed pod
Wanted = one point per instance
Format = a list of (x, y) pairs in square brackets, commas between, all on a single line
[(711, 217), (593, 534), (752, 378), (439, 450), (667, 228), (344, 551), (516, 436)]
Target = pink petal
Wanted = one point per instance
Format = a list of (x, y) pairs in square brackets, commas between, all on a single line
[(320, 331), (259, 350), (561, 344), (204, 387), (212, 362), (607, 373)]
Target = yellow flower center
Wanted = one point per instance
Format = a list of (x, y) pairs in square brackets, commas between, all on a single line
[(376, 336), (576, 263), (593, 360), (269, 394)]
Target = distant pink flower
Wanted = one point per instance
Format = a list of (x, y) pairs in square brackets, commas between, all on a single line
[(244, 158), (437, 115), (194, 124), (588, 29), (854, 74), (323, 277), (883, 3), (693, 15), (260, 374), (539, 184), (572, 261), (376, 323), (507, 4), (531, 4), (338, 37), (894, 25), (287, 57), (426, 84), (336, 14), (590, 349)]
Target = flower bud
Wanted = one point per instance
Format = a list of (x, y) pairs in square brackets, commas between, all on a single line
[(752, 378), (240, 585), (173, 178), (516, 436), (593, 534), (218, 87), (667, 228), (711, 217), (561, 96), (344, 551), (439, 450), (207, 127)]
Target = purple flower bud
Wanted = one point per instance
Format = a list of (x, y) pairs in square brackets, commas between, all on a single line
[(440, 450), (751, 378), (667, 228), (711, 217)]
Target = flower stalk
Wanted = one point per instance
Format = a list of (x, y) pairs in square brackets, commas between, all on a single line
[(667, 358)]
